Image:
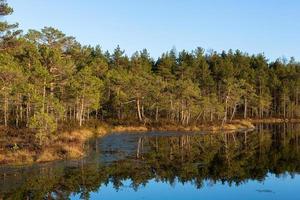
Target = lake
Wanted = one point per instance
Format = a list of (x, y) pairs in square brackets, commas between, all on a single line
[(260, 164)]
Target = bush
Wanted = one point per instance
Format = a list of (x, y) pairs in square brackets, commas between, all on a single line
[(44, 125)]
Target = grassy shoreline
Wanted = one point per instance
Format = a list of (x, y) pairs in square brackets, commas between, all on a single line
[(71, 144), (274, 120)]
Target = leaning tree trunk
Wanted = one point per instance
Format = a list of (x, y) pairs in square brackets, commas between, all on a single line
[(233, 112), (138, 106)]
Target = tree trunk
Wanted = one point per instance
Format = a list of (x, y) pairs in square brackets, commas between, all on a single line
[(81, 112), (171, 113), (52, 95), (182, 113), (245, 108), (198, 116), (74, 112), (284, 103), (233, 112), (119, 112), (225, 117), (21, 112), (17, 115), (156, 114), (44, 96), (78, 109), (188, 117), (143, 112), (70, 113), (5, 109), (260, 106), (27, 111), (139, 109)]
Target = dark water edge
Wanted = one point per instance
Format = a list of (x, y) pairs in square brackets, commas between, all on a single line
[(261, 164)]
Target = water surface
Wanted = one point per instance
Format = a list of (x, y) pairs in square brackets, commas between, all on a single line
[(259, 164)]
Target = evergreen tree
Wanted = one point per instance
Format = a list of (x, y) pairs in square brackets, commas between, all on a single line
[(48, 79)]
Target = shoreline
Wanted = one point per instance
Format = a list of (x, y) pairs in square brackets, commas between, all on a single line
[(71, 144), (275, 120)]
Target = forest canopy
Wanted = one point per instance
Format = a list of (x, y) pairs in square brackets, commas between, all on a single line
[(48, 79)]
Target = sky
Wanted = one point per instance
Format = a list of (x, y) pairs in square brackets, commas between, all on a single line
[(258, 26)]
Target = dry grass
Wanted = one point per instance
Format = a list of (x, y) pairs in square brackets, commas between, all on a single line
[(17, 157), (70, 144), (73, 152), (295, 120), (48, 155), (67, 145), (238, 124), (166, 127), (242, 124), (234, 125), (101, 131), (129, 128), (192, 128), (177, 128), (75, 136), (273, 120)]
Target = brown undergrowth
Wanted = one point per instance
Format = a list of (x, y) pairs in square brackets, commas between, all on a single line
[(20, 146), (67, 145)]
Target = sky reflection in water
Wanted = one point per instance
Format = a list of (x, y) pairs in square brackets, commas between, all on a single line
[(273, 188)]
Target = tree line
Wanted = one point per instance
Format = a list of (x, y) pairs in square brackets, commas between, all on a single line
[(48, 78)]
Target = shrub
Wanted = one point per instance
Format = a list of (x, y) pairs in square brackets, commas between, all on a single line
[(44, 125)]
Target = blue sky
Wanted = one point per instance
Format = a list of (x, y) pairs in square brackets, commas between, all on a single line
[(269, 26)]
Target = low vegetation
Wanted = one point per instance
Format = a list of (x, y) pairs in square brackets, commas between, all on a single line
[(24, 150), (71, 144)]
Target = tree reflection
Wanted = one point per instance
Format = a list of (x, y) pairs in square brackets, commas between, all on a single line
[(232, 158)]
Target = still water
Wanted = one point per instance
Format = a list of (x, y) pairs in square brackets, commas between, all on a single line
[(260, 164)]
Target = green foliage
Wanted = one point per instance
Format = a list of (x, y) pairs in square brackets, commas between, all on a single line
[(87, 87), (44, 125), (11, 74), (8, 33), (49, 74)]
